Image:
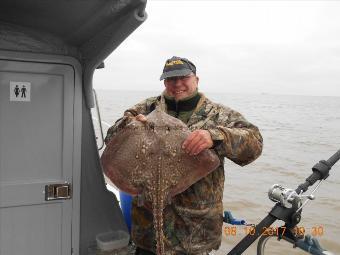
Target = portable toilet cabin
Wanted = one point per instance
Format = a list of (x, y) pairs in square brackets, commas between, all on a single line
[(53, 198)]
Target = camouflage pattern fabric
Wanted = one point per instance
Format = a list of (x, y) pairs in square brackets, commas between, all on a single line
[(193, 220)]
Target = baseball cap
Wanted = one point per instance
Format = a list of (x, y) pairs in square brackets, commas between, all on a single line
[(177, 66)]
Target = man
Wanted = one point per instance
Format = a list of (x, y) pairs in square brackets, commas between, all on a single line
[(193, 221)]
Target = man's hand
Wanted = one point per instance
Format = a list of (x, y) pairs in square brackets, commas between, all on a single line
[(197, 141), (141, 118)]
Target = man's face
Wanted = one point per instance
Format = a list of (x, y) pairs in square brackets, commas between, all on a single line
[(181, 86)]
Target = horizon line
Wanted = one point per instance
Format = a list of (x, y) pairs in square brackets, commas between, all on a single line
[(219, 92)]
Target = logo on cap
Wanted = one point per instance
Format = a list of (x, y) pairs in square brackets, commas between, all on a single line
[(175, 62)]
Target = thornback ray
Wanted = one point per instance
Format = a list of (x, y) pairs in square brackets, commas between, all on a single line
[(147, 159)]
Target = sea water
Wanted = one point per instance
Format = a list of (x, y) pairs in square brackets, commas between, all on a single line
[(298, 131)]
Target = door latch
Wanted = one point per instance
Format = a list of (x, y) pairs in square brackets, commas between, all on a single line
[(57, 191)]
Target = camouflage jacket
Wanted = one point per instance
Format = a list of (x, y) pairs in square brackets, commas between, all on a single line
[(193, 221)]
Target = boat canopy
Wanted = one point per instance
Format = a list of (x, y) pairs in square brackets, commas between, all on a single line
[(88, 30)]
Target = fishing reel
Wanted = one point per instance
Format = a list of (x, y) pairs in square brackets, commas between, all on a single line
[(286, 197), (289, 200)]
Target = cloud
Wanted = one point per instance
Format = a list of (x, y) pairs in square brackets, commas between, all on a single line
[(247, 46)]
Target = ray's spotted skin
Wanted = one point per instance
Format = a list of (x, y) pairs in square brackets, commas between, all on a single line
[(146, 158)]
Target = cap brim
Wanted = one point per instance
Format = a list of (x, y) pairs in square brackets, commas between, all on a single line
[(174, 73)]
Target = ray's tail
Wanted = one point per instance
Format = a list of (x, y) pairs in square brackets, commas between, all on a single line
[(158, 225)]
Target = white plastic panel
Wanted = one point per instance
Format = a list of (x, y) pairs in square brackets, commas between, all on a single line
[(36, 149), (40, 120), (16, 241)]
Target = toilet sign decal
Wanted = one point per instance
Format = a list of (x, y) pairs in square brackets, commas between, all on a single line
[(20, 91)]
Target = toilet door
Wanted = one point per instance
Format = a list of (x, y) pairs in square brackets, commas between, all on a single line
[(36, 147)]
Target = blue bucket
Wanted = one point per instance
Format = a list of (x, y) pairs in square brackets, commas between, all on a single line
[(125, 205)]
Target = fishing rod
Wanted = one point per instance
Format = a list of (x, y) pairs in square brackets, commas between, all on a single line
[(288, 207)]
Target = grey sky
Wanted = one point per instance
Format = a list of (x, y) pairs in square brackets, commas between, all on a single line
[(278, 47)]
